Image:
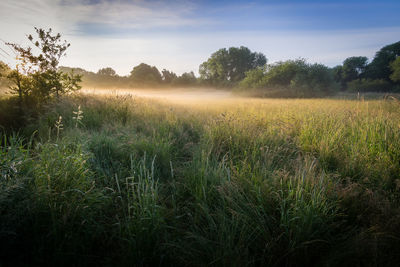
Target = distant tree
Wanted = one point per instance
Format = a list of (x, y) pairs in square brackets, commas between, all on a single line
[(314, 79), (379, 68), (215, 69), (168, 76), (107, 72), (282, 73), (254, 78), (79, 71), (4, 68), (369, 85), (4, 71), (354, 68), (21, 84), (145, 74), (228, 66), (337, 76), (38, 75), (187, 78), (103, 78), (395, 67), (296, 78)]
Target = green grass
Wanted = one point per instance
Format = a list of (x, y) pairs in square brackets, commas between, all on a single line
[(229, 182)]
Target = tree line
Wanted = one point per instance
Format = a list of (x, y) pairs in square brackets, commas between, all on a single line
[(382, 74), (242, 69), (40, 77), (142, 75)]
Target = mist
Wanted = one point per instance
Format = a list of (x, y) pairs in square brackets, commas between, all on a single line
[(172, 94)]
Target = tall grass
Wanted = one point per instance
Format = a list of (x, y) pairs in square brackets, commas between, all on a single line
[(228, 182)]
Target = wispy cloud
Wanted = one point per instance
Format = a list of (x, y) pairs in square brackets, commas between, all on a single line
[(127, 15), (98, 17)]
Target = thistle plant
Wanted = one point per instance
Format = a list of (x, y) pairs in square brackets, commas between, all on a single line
[(78, 116), (59, 126)]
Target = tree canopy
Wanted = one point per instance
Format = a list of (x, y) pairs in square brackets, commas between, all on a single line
[(187, 78), (296, 77), (107, 72), (354, 68), (168, 76), (145, 74), (380, 68), (395, 67), (228, 66)]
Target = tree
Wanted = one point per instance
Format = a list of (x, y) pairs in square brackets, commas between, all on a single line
[(282, 73), (107, 72), (20, 84), (4, 71), (395, 67), (145, 74), (368, 85), (106, 77), (379, 68), (168, 76), (254, 78), (215, 69), (337, 76), (187, 78), (353, 68), (228, 66), (314, 79), (38, 75)]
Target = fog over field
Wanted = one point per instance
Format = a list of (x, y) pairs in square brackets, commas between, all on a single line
[(174, 94)]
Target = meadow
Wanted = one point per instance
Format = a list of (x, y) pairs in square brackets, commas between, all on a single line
[(122, 180)]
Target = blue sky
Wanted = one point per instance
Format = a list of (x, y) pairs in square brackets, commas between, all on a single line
[(179, 35)]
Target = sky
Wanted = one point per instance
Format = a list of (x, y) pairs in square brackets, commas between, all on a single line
[(179, 35)]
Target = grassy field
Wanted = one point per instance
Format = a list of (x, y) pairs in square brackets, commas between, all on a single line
[(224, 182)]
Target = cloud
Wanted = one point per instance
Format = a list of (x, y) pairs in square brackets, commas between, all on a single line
[(97, 17), (122, 16), (84, 19)]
